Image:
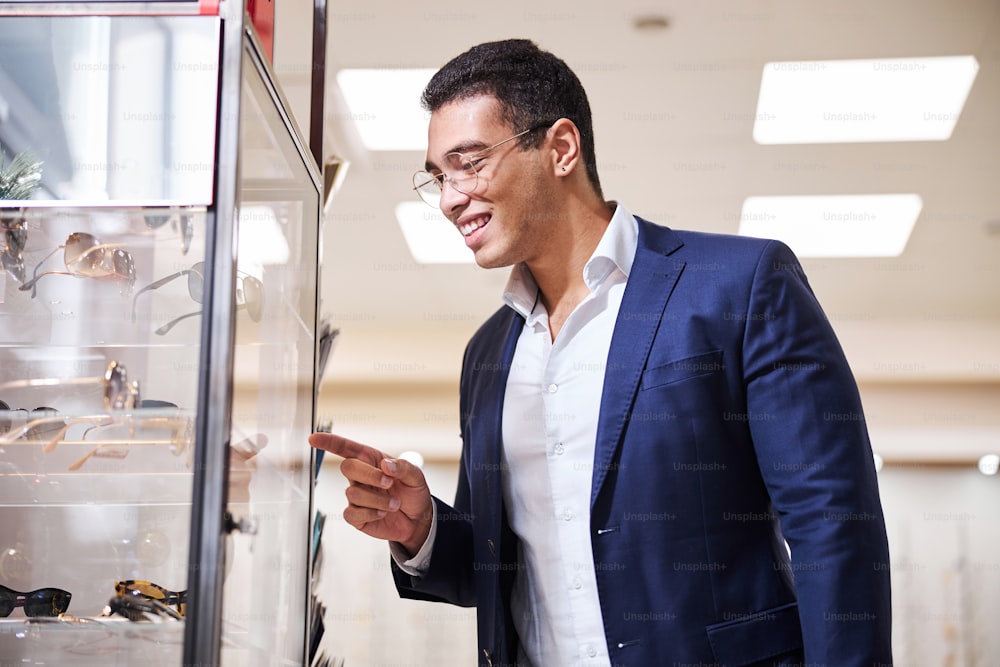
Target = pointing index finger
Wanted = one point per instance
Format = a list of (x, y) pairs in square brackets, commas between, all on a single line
[(346, 448)]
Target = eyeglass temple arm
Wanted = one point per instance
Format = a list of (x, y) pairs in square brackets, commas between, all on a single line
[(162, 331), (34, 274), (61, 433), (156, 285)]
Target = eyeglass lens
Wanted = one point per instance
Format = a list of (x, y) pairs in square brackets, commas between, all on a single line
[(154, 221), (48, 423)]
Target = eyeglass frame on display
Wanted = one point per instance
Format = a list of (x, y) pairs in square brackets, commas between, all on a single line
[(175, 599), (117, 252), (21, 599), (197, 269), (15, 237), (155, 221)]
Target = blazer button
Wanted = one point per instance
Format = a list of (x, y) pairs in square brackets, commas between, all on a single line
[(489, 658), (493, 547)]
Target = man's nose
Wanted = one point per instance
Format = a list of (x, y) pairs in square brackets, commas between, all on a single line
[(451, 196)]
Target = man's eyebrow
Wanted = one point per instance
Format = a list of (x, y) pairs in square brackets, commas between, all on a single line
[(467, 146)]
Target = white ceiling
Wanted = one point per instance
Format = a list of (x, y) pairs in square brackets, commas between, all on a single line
[(673, 113)]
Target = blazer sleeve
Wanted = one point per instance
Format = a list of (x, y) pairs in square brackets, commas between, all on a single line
[(448, 579), (815, 457), (450, 576)]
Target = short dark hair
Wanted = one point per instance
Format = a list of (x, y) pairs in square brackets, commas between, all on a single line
[(532, 87)]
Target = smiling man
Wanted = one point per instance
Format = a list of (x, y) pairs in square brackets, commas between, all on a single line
[(648, 473)]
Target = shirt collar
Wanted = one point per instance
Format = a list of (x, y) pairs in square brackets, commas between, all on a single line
[(616, 249)]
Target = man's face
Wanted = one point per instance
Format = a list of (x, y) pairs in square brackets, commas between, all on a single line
[(499, 217)]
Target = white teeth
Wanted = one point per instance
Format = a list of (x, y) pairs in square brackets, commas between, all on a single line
[(472, 226)]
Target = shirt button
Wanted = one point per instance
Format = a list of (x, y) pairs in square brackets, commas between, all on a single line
[(553, 388), (591, 651), (577, 584), (560, 448), (568, 515)]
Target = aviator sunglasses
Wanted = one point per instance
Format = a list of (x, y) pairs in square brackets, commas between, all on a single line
[(41, 602), (249, 294), (86, 257)]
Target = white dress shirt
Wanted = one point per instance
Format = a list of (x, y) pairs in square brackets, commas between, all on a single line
[(551, 409), (550, 415)]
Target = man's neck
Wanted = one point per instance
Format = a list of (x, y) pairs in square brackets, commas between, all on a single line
[(559, 274)]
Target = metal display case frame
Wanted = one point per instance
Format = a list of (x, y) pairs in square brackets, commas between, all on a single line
[(254, 222)]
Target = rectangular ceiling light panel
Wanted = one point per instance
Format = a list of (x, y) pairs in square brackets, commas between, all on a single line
[(384, 106), (833, 101), (432, 239), (834, 225)]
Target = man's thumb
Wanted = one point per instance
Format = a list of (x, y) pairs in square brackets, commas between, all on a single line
[(403, 470)]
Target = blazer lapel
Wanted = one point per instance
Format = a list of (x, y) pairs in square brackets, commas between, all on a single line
[(492, 380), (650, 283)]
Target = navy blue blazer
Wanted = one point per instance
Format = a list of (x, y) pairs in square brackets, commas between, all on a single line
[(729, 420)]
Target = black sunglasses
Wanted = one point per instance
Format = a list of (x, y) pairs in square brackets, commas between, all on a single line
[(185, 221), (42, 602)]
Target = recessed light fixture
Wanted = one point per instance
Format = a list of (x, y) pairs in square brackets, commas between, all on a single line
[(827, 101), (989, 464), (432, 239), (384, 106), (834, 225), (650, 23)]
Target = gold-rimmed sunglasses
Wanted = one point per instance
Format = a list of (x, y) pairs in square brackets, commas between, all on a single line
[(86, 257)]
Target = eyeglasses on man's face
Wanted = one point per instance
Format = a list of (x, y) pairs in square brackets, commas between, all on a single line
[(460, 171)]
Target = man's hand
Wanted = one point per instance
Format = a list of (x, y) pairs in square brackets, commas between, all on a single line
[(387, 498)]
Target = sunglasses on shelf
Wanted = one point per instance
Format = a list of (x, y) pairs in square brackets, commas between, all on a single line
[(46, 424), (249, 294), (41, 602), (40, 423), (147, 590), (15, 235), (181, 437), (184, 221), (86, 257)]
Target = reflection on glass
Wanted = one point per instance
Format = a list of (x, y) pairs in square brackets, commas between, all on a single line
[(95, 98)]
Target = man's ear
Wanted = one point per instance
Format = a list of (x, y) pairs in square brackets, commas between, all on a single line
[(564, 138)]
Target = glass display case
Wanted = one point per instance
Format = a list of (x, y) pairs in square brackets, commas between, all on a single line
[(158, 310)]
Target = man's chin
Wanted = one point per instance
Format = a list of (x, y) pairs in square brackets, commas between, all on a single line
[(485, 261)]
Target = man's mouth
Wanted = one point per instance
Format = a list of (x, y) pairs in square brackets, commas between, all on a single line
[(467, 228)]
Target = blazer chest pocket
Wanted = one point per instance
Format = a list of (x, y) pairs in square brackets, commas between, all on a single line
[(682, 369)]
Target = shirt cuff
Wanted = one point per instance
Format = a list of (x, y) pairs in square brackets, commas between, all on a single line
[(418, 565)]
